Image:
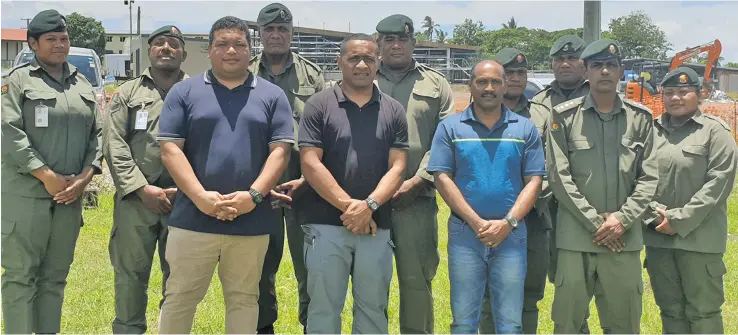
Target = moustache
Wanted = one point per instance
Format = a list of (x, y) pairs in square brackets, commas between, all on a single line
[(489, 95)]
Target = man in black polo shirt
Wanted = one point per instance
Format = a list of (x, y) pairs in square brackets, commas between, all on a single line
[(353, 142), (225, 139)]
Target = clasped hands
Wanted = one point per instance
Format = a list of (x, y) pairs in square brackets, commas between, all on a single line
[(357, 217), (492, 232), (610, 232), (65, 189), (230, 206)]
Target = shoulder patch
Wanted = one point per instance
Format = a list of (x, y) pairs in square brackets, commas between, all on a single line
[(712, 117), (308, 62), (637, 106), (567, 105)]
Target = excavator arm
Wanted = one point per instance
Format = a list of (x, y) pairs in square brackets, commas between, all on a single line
[(713, 50)]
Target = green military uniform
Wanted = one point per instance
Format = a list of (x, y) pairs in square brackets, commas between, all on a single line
[(134, 159), (697, 166), (600, 163), (299, 79), (538, 223), (45, 123), (426, 96)]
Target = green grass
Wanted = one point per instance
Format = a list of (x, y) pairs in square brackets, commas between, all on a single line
[(89, 299)]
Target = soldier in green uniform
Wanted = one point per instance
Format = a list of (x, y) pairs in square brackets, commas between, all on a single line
[(603, 174), (687, 232), (537, 221), (299, 78), (50, 152), (426, 96), (144, 190)]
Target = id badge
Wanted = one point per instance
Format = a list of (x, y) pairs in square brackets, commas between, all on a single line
[(142, 118), (42, 116)]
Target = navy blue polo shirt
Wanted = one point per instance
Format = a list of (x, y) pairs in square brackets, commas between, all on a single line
[(356, 142), (227, 135), (488, 165)]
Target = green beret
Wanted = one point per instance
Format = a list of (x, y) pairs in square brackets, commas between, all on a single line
[(567, 45), (274, 13), (47, 21), (168, 30), (396, 24), (511, 58), (602, 50), (682, 76)]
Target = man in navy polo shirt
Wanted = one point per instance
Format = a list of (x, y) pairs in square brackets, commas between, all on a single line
[(488, 165), (225, 138), (353, 143)]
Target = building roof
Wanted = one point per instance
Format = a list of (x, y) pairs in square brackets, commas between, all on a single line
[(9, 34)]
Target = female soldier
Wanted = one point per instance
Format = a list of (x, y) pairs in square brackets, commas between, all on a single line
[(50, 151), (686, 237)]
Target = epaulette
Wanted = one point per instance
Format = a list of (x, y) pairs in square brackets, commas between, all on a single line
[(638, 106), (254, 59), (569, 104), (542, 92), (428, 68), (309, 62), (718, 120), (531, 103), (15, 68)]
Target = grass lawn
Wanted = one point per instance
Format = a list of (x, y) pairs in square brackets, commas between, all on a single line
[(89, 298)]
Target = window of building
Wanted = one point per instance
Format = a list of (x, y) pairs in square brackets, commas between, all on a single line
[(122, 39), (108, 38)]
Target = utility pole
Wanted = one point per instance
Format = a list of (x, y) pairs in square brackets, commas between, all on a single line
[(592, 20), (27, 21), (129, 3)]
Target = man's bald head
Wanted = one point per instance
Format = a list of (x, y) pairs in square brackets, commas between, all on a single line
[(484, 64)]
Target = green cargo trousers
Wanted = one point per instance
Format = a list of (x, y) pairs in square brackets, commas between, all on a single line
[(688, 288), (268, 307), (614, 279), (38, 241), (535, 280), (415, 235), (133, 240)]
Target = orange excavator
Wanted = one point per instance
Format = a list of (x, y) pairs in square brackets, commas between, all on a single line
[(637, 90)]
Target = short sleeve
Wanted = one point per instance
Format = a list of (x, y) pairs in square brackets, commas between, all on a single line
[(534, 163), (282, 128), (442, 151), (173, 122), (399, 127), (310, 133)]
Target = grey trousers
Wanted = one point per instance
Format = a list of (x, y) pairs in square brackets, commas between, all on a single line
[(332, 254)]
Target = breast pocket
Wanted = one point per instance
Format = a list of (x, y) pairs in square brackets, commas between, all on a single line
[(631, 151), (694, 159), (424, 103), (580, 158), (137, 105), (299, 97)]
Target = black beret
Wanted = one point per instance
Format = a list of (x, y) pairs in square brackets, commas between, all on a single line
[(511, 58), (567, 45), (682, 76), (47, 21), (168, 30), (274, 13), (601, 50), (396, 24)]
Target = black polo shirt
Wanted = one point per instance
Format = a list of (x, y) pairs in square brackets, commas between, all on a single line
[(356, 142)]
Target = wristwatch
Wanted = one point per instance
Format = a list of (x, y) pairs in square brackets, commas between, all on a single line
[(256, 196), (513, 222), (373, 205)]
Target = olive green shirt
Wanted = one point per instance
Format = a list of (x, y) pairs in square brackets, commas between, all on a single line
[(299, 79), (71, 141), (600, 163), (133, 155), (697, 166), (426, 96)]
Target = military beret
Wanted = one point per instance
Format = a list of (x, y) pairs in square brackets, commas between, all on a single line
[(682, 76), (511, 58), (168, 30), (601, 50), (567, 45), (47, 21), (396, 24), (274, 13)]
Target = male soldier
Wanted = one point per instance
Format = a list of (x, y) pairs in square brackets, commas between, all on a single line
[(426, 96), (537, 221), (144, 189), (602, 172), (299, 78), (570, 83)]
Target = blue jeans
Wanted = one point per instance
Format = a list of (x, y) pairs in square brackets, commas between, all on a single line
[(474, 267)]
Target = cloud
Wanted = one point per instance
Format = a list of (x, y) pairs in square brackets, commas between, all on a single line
[(685, 23)]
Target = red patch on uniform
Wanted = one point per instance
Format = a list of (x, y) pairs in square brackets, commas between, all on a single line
[(4, 89), (555, 126)]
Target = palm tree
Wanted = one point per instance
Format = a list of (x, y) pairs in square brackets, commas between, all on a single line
[(512, 24), (429, 27), (440, 36)]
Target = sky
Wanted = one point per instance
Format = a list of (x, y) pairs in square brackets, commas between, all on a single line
[(686, 23)]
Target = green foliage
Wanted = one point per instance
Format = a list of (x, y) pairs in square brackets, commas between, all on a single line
[(86, 32), (430, 27), (512, 24), (440, 36), (639, 37), (732, 64), (468, 33)]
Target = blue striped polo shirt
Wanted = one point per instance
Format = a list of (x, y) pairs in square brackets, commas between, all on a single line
[(488, 165)]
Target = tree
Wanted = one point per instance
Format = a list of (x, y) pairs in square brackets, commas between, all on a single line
[(440, 36), (732, 65), (512, 24), (639, 37), (420, 36), (702, 59), (86, 32), (468, 33), (430, 26)]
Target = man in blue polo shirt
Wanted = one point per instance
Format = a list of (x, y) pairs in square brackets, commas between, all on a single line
[(225, 139), (488, 165)]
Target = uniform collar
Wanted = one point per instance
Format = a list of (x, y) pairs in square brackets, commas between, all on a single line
[(556, 87), (663, 120), (387, 73), (522, 104), (147, 74), (68, 70), (209, 78), (341, 97), (263, 63), (589, 103)]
